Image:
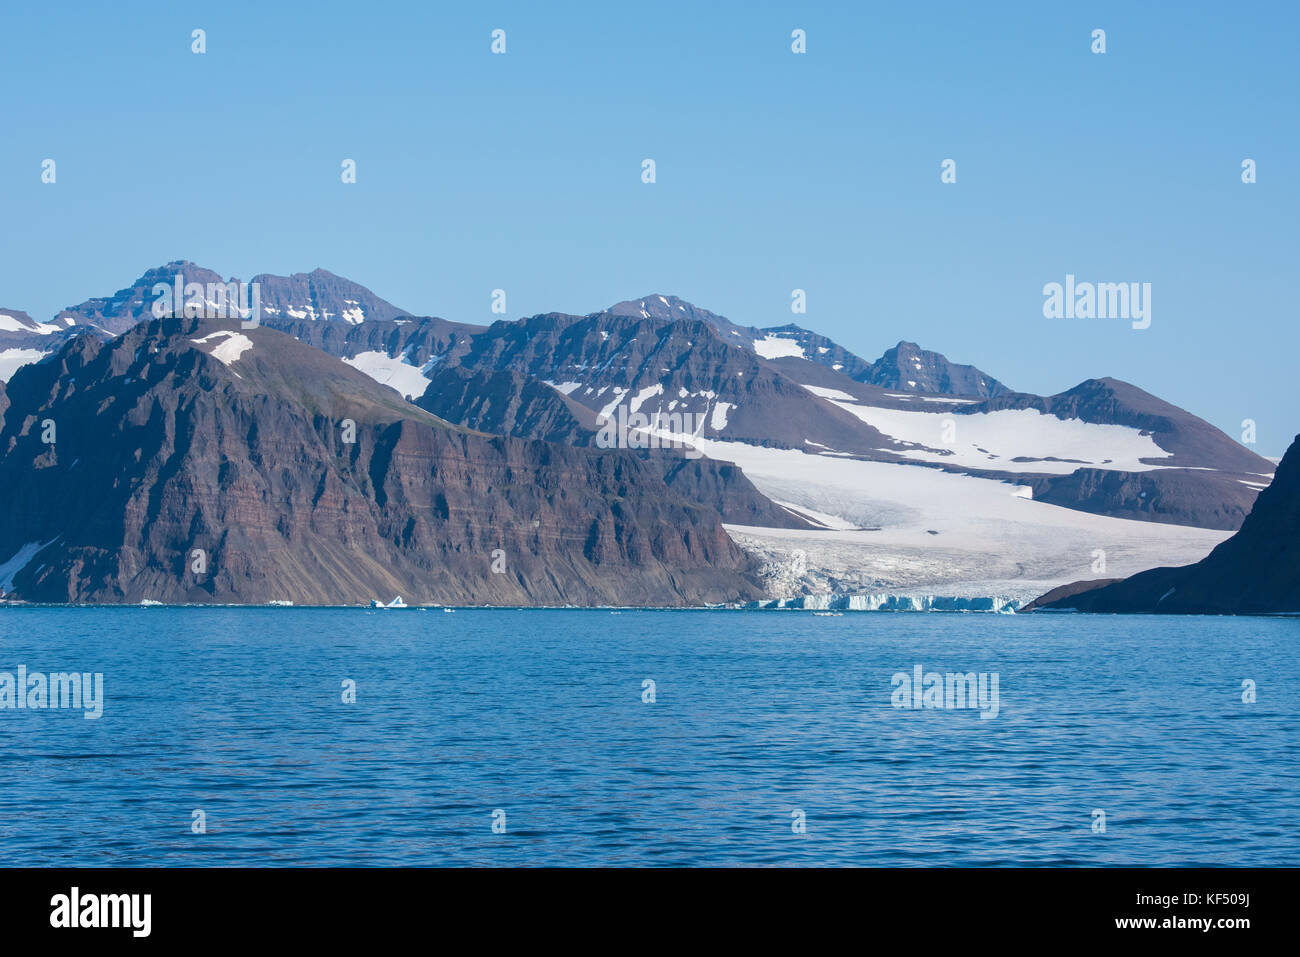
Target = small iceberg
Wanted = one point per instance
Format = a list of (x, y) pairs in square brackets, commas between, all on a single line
[(395, 603), (280, 603), (150, 603)]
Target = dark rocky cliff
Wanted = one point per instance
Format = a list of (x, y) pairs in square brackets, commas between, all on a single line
[(1257, 571), (181, 435)]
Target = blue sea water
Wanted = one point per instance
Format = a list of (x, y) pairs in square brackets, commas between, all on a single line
[(540, 714)]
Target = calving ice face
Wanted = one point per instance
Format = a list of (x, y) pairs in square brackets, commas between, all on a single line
[(63, 690), (74, 909), (946, 691), (1102, 300)]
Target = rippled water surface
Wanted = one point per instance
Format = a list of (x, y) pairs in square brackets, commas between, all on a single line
[(757, 715)]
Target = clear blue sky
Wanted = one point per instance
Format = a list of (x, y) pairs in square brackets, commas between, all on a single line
[(775, 171)]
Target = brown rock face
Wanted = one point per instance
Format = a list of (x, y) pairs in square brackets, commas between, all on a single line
[(189, 465)]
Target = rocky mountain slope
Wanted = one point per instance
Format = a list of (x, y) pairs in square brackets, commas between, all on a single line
[(1103, 446), (120, 459), (320, 296), (1256, 571), (909, 368), (906, 367), (133, 304), (619, 367), (509, 403), (24, 340)]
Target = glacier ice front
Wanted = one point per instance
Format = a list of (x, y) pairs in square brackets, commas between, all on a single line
[(992, 604)]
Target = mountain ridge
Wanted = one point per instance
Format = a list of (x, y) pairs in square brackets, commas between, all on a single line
[(663, 356), (199, 434), (1256, 571)]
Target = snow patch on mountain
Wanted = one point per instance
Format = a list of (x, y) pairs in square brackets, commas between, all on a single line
[(564, 388), (778, 347), (1012, 440), (821, 518), (20, 560), (618, 393), (405, 379), (640, 398), (232, 346), (11, 360), (10, 323), (833, 394)]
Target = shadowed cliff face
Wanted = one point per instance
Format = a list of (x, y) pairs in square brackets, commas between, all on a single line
[(1257, 571), (297, 477)]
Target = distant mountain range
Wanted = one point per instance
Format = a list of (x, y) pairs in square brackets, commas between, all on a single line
[(922, 471), (286, 300), (906, 367)]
